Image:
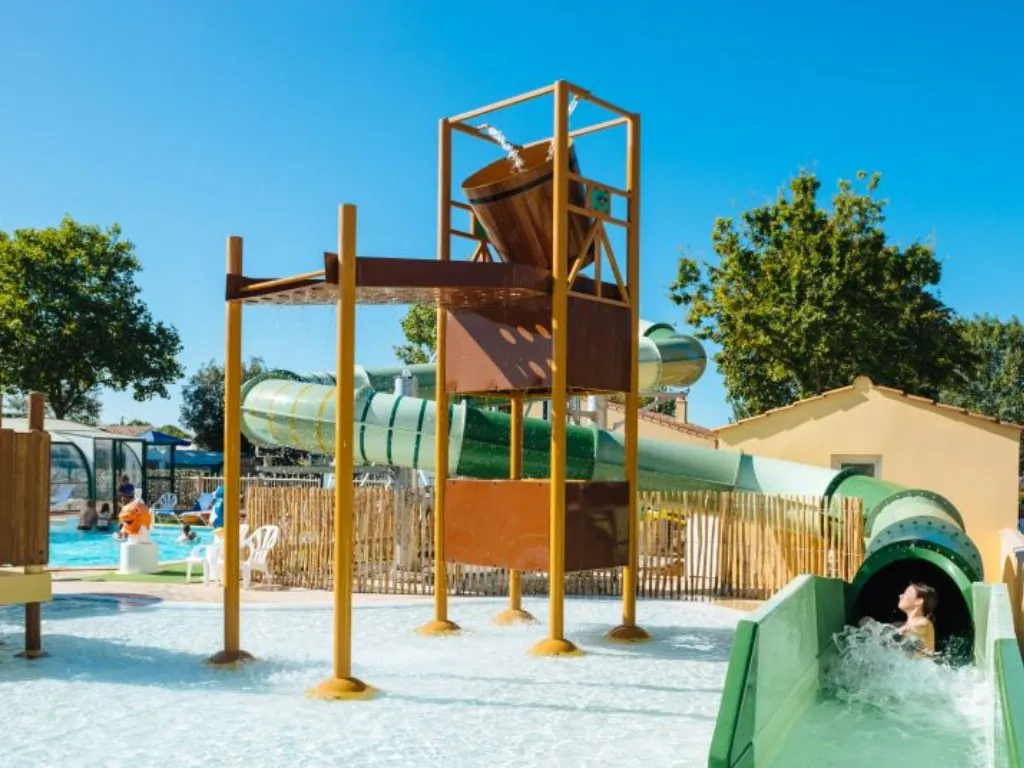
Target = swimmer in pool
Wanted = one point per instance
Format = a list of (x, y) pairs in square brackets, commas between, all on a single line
[(917, 634)]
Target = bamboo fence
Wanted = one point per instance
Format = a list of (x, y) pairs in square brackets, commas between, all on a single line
[(191, 487), (692, 545)]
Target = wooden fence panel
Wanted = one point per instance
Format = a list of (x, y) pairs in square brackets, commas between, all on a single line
[(692, 545), (24, 498)]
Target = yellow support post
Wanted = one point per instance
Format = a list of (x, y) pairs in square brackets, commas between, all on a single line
[(232, 652), (628, 631), (515, 614), (342, 685), (555, 644), (440, 625)]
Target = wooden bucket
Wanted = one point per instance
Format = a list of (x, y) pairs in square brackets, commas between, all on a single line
[(515, 207)]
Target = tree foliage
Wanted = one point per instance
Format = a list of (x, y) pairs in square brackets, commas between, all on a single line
[(994, 383), (803, 300), (420, 328), (72, 321), (174, 431), (202, 403)]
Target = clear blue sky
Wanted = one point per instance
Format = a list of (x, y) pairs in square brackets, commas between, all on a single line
[(189, 121)]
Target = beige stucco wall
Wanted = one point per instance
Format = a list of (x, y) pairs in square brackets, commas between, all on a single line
[(970, 461)]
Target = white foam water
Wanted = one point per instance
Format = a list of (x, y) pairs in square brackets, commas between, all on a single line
[(510, 150), (879, 705)]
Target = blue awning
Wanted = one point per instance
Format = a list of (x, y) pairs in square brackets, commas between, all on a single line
[(155, 437)]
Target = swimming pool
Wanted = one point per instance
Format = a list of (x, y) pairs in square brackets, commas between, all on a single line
[(71, 548)]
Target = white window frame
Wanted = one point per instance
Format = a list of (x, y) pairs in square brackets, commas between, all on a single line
[(874, 459)]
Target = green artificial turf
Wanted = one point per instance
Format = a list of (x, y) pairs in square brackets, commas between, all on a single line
[(168, 574)]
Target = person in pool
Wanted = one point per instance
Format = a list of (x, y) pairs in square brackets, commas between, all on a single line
[(918, 603)]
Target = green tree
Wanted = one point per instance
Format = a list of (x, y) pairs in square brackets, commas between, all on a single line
[(803, 300), (420, 328), (994, 383), (202, 403), (174, 431), (72, 321)]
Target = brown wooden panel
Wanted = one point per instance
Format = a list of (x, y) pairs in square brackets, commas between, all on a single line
[(507, 348), (504, 523), (7, 479), (403, 281), (24, 498)]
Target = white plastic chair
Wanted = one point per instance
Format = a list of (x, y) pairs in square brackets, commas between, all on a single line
[(260, 544), (165, 506), (61, 495), (211, 557)]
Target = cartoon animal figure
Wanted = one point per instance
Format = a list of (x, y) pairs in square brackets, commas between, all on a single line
[(136, 519)]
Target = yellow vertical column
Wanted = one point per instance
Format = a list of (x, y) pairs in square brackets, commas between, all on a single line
[(515, 614), (628, 631), (342, 685), (556, 644), (440, 625), (232, 652)]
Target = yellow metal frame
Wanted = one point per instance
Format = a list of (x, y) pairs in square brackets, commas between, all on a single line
[(629, 296), (515, 614), (232, 654), (341, 684)]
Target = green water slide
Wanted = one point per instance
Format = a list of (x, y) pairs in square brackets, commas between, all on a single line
[(781, 651)]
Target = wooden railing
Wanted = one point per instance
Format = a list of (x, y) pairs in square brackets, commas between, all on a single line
[(692, 545)]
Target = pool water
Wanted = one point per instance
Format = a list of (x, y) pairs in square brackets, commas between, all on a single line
[(70, 547), (125, 685)]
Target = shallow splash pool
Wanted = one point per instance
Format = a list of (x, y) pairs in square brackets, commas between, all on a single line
[(125, 685), (70, 547)]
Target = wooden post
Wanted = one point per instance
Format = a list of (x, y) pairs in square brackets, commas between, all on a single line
[(515, 614), (232, 652), (440, 624), (34, 611), (556, 644)]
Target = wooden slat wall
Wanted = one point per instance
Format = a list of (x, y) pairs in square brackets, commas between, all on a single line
[(24, 498), (693, 545)]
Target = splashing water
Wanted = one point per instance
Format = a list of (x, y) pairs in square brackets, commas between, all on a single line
[(879, 705), (510, 150)]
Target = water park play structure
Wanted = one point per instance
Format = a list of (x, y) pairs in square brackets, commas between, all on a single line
[(24, 522), (528, 317)]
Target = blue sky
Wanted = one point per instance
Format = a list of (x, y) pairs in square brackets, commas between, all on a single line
[(189, 121)]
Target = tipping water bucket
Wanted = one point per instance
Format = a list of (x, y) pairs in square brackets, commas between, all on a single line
[(515, 207)]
